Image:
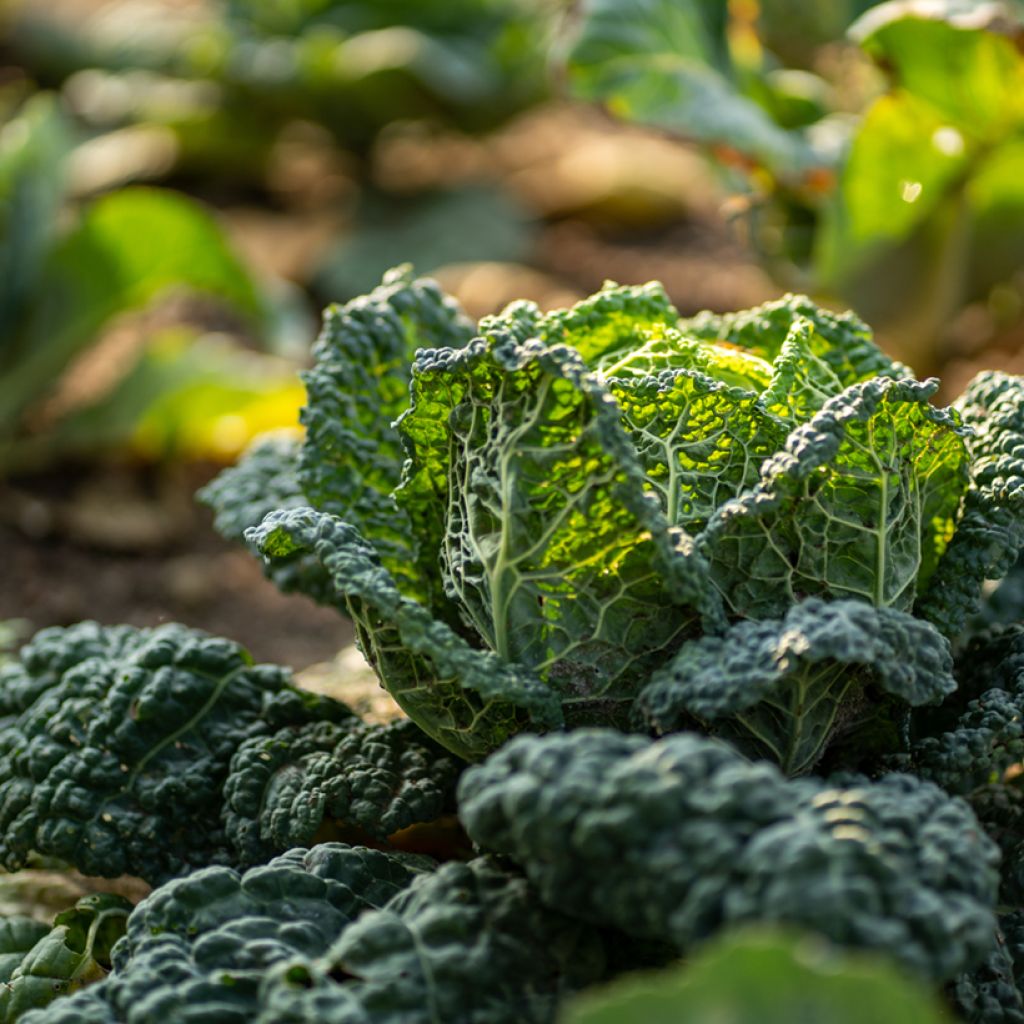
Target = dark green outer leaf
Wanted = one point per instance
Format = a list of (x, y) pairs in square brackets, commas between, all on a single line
[(1012, 926), (1000, 809), (263, 481), (466, 699), (781, 689), (469, 944), (51, 652), (1002, 603), (989, 994), (285, 789), (994, 658), (197, 948), (859, 504), (990, 529), (352, 457), (987, 739), (674, 839), (117, 764)]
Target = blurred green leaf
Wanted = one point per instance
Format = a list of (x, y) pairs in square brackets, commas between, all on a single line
[(935, 162), (794, 30), (33, 148), (128, 248), (903, 163), (953, 56), (793, 98), (761, 978), (183, 398), (458, 226), (221, 398), (665, 64), (996, 195)]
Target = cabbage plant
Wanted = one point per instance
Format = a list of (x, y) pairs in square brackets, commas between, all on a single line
[(755, 523)]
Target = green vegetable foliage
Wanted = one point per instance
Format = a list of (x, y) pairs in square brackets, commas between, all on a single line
[(545, 521), (762, 978), (751, 535)]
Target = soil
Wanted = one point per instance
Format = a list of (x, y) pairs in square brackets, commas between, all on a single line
[(128, 544)]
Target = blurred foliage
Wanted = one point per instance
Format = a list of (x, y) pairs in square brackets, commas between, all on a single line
[(227, 76), (216, 92), (668, 65), (763, 978), (895, 189), (795, 31), (186, 397), (67, 275), (429, 230)]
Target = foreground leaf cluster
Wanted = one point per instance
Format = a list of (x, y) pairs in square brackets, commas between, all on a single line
[(689, 621)]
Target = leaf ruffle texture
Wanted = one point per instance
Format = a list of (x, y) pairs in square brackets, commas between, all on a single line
[(352, 457), (783, 689), (120, 740), (199, 947), (526, 526), (523, 475), (840, 343), (676, 838), (990, 993), (299, 785), (470, 943), (973, 745), (859, 503), (264, 481), (990, 531), (974, 737), (343, 935), (465, 698)]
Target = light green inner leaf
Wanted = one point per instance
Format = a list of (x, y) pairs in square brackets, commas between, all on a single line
[(860, 504)]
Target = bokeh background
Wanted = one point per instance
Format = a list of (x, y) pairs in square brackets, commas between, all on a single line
[(184, 185)]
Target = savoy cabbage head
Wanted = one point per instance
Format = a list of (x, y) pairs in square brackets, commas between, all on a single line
[(757, 524)]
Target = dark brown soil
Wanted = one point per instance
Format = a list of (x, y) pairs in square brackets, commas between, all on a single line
[(130, 545)]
